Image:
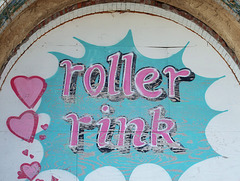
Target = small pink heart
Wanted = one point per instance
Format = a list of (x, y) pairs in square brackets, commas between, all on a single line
[(42, 137), (21, 175), (28, 89), (54, 179), (24, 126), (31, 170), (25, 152), (44, 127), (31, 156), (39, 180)]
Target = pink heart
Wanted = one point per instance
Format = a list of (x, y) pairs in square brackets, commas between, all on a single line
[(39, 180), (24, 126), (31, 170), (21, 175), (44, 127), (42, 137), (28, 89), (54, 178), (31, 156), (25, 152)]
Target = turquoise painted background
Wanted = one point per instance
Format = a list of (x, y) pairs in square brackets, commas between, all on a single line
[(191, 115)]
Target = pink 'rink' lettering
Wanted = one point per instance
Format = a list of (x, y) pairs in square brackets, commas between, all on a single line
[(77, 130), (98, 82), (161, 126), (133, 132), (136, 127), (122, 124), (104, 135)]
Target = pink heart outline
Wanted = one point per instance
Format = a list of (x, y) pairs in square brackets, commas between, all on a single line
[(44, 127), (21, 175), (25, 152), (42, 137), (28, 89), (54, 178), (24, 126), (30, 170), (31, 156)]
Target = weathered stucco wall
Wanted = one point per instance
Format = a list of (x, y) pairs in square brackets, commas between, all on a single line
[(210, 12)]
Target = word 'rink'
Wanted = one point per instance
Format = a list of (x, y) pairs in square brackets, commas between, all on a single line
[(131, 132)]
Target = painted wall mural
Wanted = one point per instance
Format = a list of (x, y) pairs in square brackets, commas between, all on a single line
[(110, 97)]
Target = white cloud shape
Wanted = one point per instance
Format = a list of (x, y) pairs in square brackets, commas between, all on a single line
[(213, 169), (61, 175), (223, 131), (43, 119), (223, 134), (104, 174), (142, 172), (224, 94), (149, 171)]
